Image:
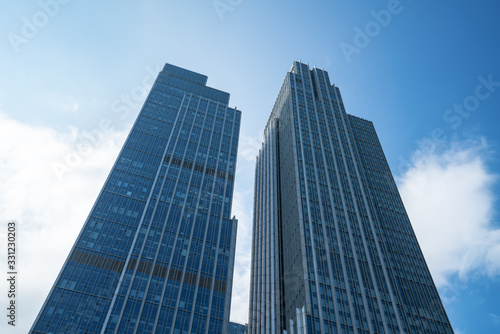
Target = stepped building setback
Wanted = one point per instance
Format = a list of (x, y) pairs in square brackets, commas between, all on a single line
[(156, 252), (333, 250)]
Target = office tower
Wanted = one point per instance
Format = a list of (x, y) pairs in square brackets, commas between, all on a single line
[(156, 253), (235, 328), (333, 249)]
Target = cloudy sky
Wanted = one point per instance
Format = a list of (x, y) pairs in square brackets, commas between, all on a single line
[(74, 74)]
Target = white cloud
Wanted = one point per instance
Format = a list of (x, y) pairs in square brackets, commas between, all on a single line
[(50, 213), (242, 209), (249, 145), (449, 198), (248, 149)]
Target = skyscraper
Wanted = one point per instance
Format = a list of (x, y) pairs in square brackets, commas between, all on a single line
[(333, 249), (156, 252)]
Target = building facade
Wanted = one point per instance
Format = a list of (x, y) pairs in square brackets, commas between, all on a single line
[(333, 250), (235, 328), (156, 253)]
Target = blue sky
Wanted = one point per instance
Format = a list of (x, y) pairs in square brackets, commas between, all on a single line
[(425, 72)]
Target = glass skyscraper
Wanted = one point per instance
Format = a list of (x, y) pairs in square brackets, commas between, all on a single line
[(333, 249), (156, 253)]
